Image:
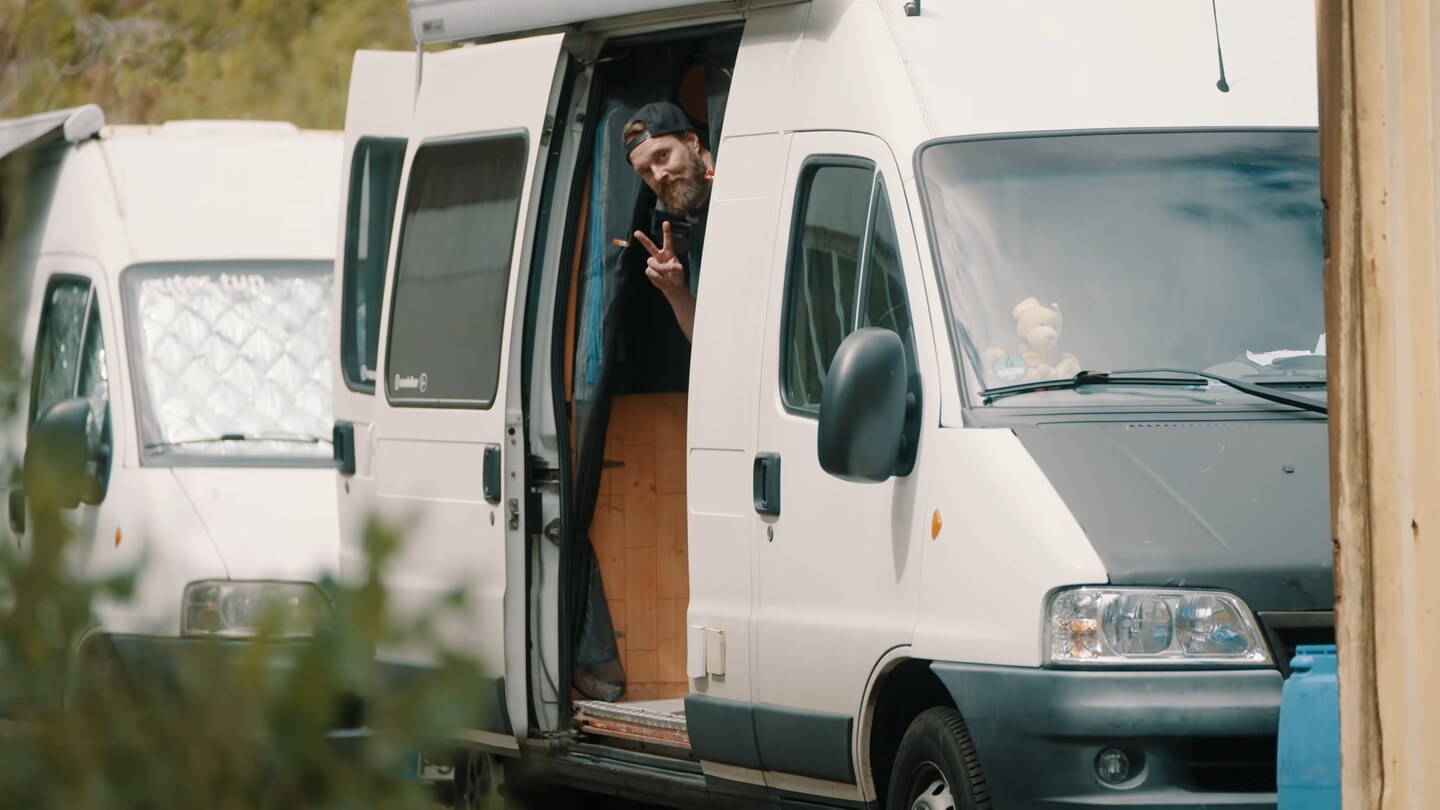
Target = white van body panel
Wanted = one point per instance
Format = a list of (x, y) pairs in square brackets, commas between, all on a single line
[(722, 517), (1035, 65), (226, 191), (433, 21), (248, 200), (381, 101), (272, 523), (839, 580), (429, 460), (1001, 521)]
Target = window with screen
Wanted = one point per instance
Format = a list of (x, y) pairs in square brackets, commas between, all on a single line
[(452, 272)]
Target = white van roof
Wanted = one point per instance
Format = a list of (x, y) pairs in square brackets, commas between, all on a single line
[(1034, 65), (227, 191), (435, 21), (74, 124)]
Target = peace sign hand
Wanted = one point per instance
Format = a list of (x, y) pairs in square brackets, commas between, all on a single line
[(663, 267)]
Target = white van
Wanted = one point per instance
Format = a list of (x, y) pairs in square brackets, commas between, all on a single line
[(175, 375), (873, 539)]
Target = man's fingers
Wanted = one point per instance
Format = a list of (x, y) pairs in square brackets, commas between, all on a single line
[(663, 268), (664, 274), (648, 245), (665, 232)]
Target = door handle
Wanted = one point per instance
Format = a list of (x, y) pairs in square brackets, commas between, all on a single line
[(491, 481), (767, 483), (342, 438)]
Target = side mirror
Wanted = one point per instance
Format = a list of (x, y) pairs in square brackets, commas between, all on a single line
[(67, 457), (863, 408)]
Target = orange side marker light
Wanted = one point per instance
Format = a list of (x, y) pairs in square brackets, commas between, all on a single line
[(117, 536), (935, 525)]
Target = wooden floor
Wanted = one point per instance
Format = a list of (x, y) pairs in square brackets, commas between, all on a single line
[(639, 537)]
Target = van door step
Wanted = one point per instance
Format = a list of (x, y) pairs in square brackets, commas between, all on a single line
[(649, 721)]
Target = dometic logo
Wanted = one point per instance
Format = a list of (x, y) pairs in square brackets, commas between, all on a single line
[(403, 383)]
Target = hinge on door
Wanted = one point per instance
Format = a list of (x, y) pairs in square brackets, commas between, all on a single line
[(549, 129)]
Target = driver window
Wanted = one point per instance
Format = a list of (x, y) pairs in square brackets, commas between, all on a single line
[(57, 347), (844, 273)]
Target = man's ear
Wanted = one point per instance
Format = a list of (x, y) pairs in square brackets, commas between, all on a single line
[(692, 140)]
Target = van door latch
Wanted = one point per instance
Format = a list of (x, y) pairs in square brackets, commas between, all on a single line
[(766, 483), (490, 473), (513, 507)]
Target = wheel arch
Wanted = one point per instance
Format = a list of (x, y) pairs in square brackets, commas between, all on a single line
[(900, 689)]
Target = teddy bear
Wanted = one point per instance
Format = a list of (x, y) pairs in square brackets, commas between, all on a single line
[(1038, 327)]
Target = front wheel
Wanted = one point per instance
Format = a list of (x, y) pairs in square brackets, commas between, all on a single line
[(936, 766)]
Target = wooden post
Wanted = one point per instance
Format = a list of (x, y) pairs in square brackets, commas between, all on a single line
[(1378, 80)]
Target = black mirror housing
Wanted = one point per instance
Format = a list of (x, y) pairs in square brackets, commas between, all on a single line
[(62, 468), (864, 407)]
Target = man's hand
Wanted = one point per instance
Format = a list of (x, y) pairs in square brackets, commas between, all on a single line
[(663, 267), (668, 275)]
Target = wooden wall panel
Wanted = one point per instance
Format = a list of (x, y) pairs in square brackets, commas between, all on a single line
[(640, 540)]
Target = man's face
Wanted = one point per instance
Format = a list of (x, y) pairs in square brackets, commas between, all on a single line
[(672, 167)]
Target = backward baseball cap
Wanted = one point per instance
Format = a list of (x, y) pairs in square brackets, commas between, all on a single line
[(659, 118)]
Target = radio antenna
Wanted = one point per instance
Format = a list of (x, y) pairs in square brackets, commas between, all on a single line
[(1222, 85)]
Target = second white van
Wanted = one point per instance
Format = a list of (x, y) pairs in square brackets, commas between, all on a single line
[(175, 404)]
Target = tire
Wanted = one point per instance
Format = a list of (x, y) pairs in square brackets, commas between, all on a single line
[(936, 766), (474, 781)]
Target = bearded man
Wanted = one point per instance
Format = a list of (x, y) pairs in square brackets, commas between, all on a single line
[(664, 149)]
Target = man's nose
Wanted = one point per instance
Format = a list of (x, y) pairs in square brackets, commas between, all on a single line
[(659, 173)]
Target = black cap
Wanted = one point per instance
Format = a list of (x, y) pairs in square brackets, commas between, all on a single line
[(659, 118)]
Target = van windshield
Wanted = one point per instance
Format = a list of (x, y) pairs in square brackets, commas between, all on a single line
[(1191, 250), (231, 360)]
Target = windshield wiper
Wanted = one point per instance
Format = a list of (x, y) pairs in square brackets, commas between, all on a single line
[(300, 438), (1189, 378)]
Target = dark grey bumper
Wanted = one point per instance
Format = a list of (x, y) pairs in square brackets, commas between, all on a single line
[(1197, 738), (160, 660)]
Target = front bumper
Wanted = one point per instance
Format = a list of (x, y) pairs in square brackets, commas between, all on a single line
[(1195, 738), (166, 663), (162, 659)]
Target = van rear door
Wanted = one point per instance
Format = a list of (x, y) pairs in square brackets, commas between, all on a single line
[(449, 440), (377, 128)]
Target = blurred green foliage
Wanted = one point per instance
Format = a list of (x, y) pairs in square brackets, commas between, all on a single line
[(148, 61), (226, 728)]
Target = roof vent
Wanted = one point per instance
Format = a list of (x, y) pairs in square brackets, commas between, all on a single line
[(230, 128)]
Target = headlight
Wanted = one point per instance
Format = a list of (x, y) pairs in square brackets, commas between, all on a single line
[(1108, 626), (229, 609)]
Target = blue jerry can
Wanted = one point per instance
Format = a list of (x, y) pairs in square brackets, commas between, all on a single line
[(1308, 760)]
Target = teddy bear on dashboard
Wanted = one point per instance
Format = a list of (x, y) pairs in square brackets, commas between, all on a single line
[(1038, 327)]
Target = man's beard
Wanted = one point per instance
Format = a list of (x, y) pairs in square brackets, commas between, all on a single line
[(684, 192)]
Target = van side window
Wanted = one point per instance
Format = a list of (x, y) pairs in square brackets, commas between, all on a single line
[(886, 305), (452, 272), (57, 347), (844, 269), (94, 382), (370, 213)]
